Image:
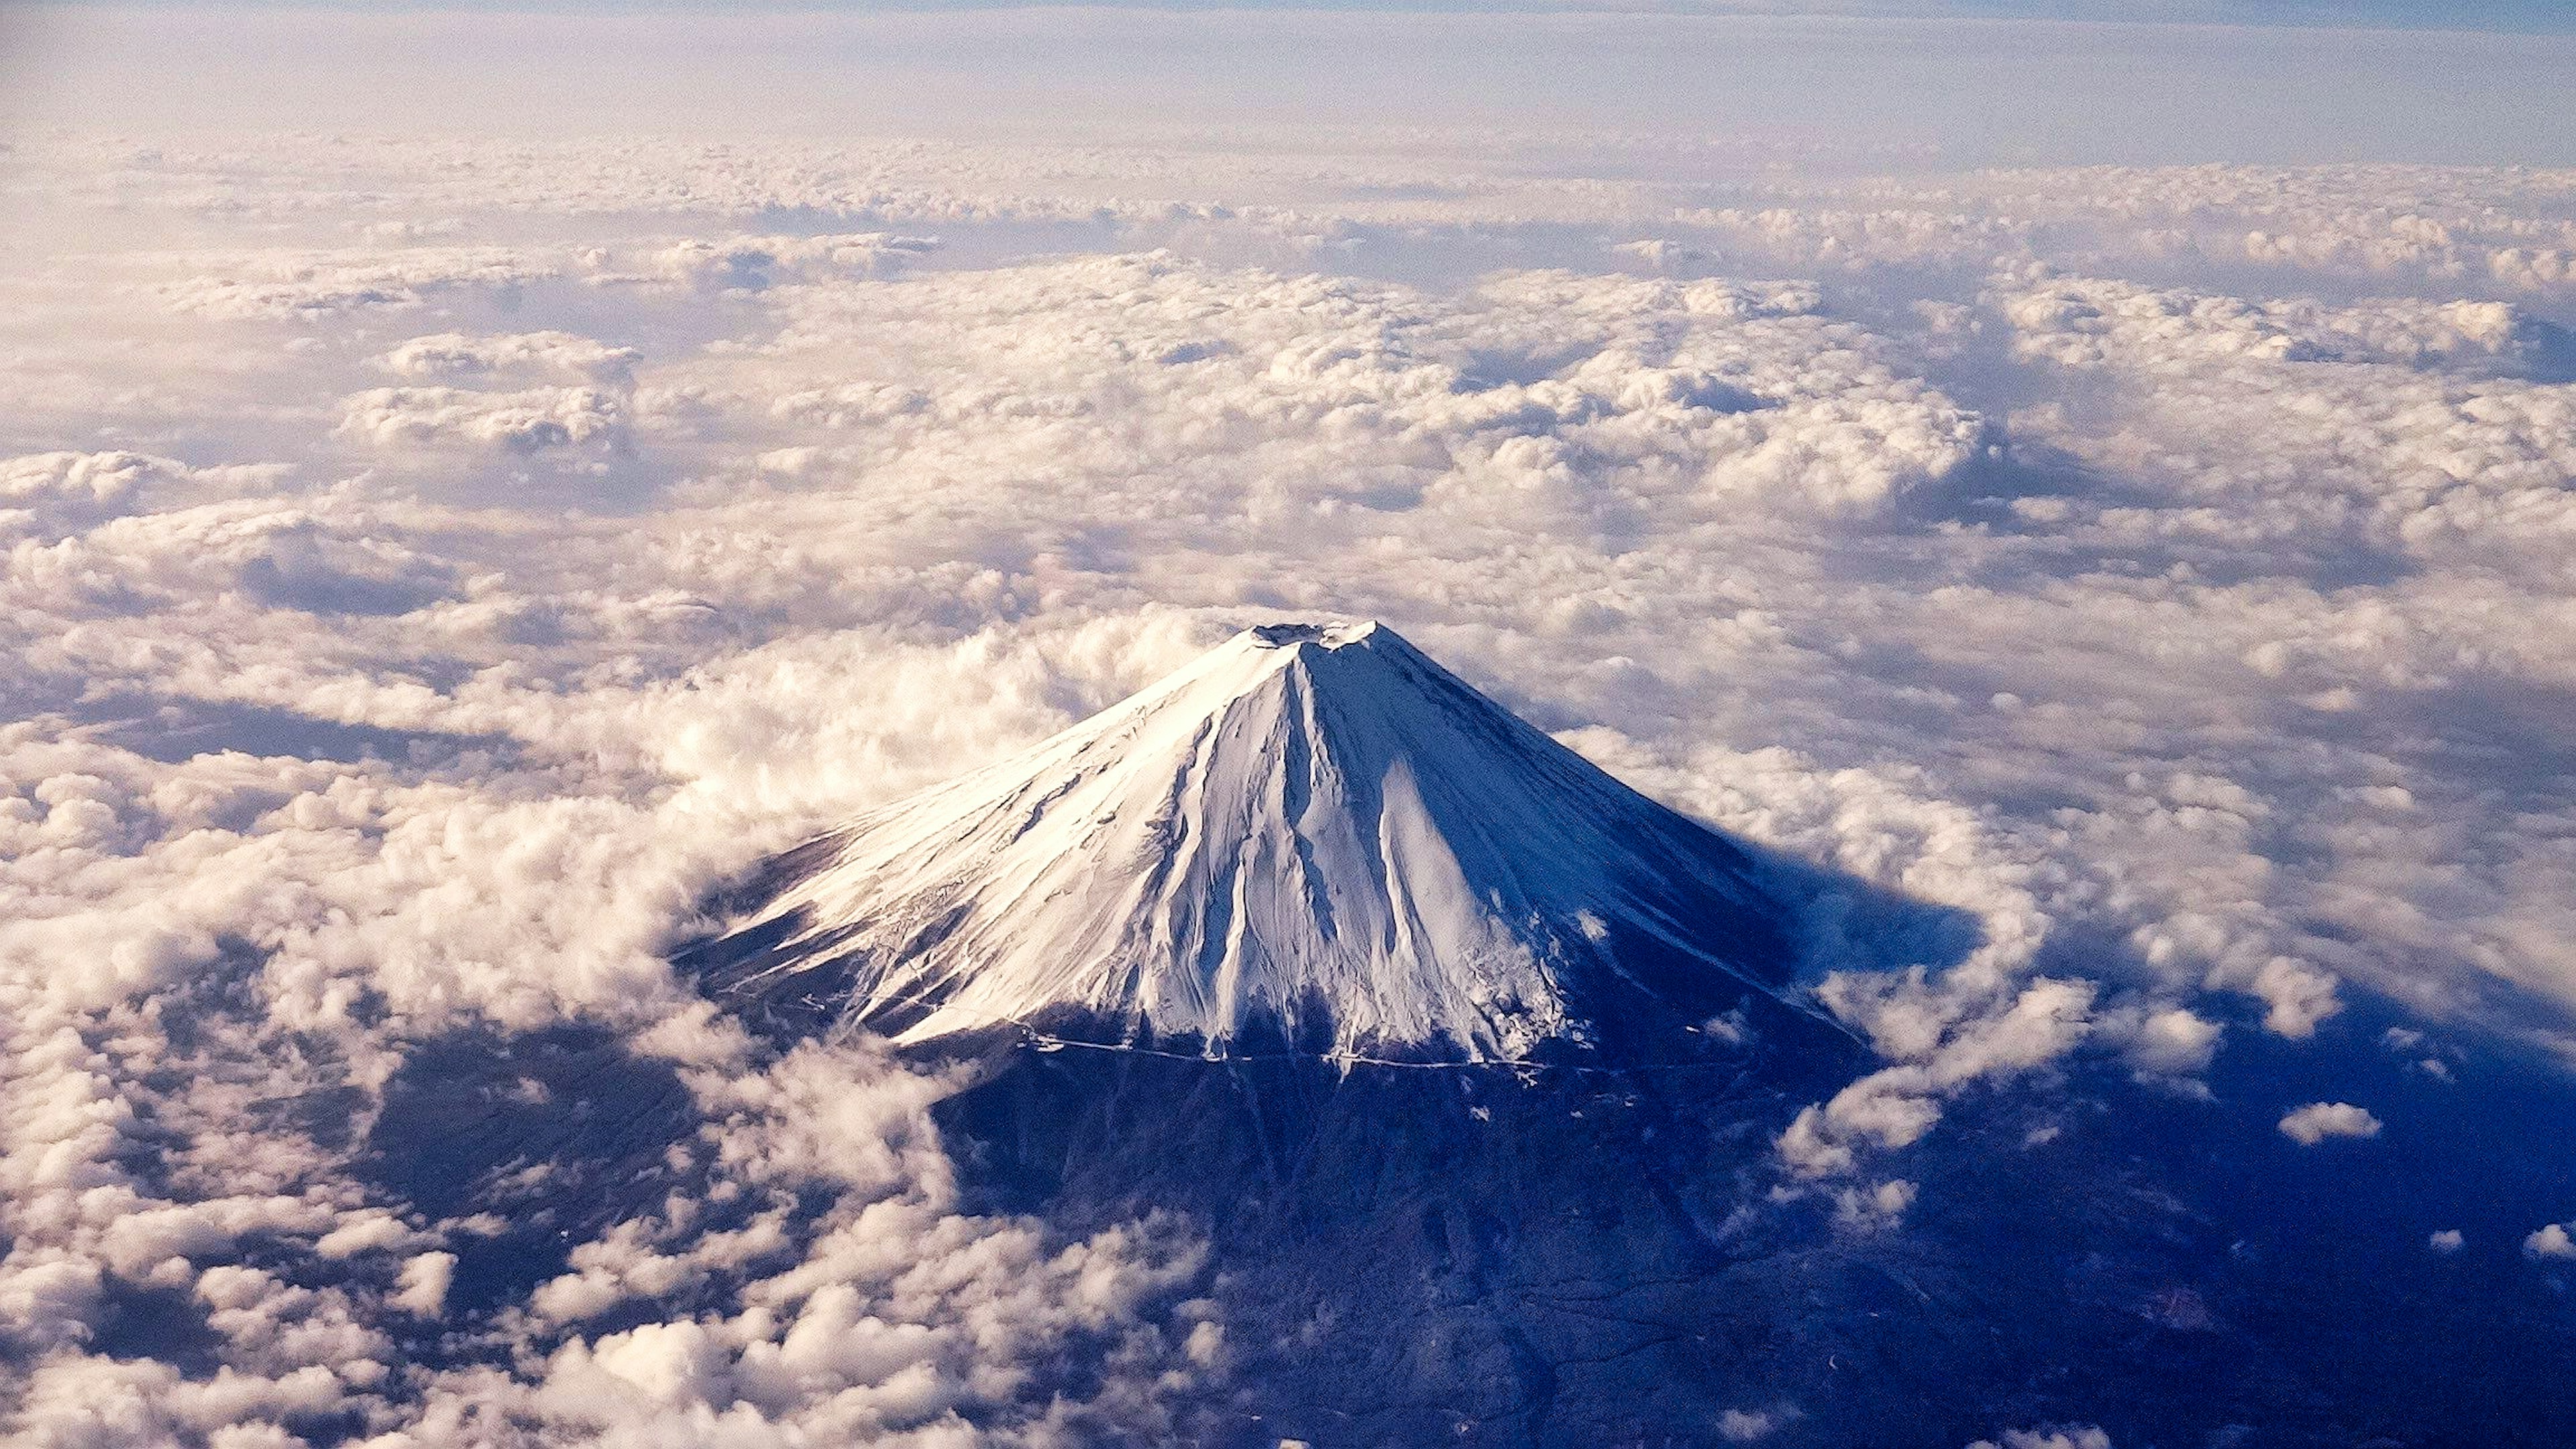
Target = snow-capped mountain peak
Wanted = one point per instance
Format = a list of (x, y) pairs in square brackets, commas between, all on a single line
[(1312, 836)]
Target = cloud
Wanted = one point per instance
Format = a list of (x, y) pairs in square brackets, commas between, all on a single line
[(2174, 1042), (98, 481), (1876, 1209), (2446, 1240), (526, 420), (1946, 1038), (312, 286), (2550, 1240), (2087, 322), (1748, 1426), (48, 497), (2317, 1121), (754, 263), (411, 624), (2083, 1436), (2382, 429), (425, 1279), (449, 356)]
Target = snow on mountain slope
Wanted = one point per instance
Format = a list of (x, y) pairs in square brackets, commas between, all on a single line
[(1312, 833)]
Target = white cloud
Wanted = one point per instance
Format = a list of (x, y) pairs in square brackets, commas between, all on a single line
[(2091, 323), (449, 356), (339, 706), (1748, 1426), (1875, 1209), (527, 420), (2317, 1121), (2550, 1240), (100, 481), (753, 263), (2446, 1240), (2082, 1436), (1946, 1039), (2174, 1042), (313, 286), (425, 1280)]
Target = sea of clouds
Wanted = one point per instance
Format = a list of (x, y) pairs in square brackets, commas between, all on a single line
[(432, 566)]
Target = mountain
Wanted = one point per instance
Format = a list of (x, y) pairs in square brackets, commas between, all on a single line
[(1312, 837), (1467, 1064)]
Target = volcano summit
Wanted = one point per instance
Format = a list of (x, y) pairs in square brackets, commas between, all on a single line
[(1467, 1064), (1313, 838)]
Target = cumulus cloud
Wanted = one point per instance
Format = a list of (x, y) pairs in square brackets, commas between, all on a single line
[(99, 481), (2550, 1240), (145, 863), (2382, 440), (2182, 653), (2175, 1042), (1749, 1426), (918, 1343), (310, 287), (1946, 1037), (1876, 1208), (754, 263), (453, 355), (424, 1282), (527, 420), (887, 1317), (2079, 1436), (2317, 1121), (2090, 322)]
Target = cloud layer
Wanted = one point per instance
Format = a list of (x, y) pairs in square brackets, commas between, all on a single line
[(431, 567)]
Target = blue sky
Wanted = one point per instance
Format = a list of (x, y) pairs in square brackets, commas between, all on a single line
[(2519, 16), (1961, 88)]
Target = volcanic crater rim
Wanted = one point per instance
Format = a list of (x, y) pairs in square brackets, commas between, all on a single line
[(1295, 632)]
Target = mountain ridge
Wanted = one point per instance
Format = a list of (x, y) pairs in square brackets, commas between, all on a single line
[(1311, 838)]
